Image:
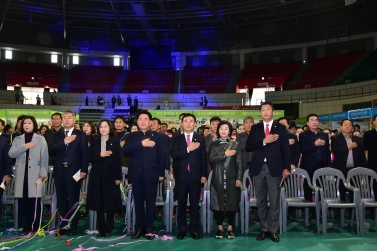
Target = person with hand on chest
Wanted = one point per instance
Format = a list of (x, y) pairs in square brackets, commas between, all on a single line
[(71, 147), (270, 163), (105, 176), (146, 169), (31, 153), (190, 171)]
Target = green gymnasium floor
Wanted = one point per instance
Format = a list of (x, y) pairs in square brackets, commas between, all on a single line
[(298, 237)]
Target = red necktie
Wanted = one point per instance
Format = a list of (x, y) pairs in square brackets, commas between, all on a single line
[(188, 142), (267, 130)]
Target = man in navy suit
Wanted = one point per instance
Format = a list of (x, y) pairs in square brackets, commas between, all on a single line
[(146, 168), (190, 171), (348, 153), (315, 149), (270, 162), (71, 148)]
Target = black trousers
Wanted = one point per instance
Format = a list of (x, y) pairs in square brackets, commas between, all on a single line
[(26, 210), (219, 216), (105, 222), (188, 187), (68, 193)]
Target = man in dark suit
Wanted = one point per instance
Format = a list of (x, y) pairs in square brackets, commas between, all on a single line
[(70, 147), (146, 168), (5, 162), (348, 153), (188, 151), (315, 149), (241, 138), (2, 125), (122, 135), (56, 120), (270, 162), (370, 139), (214, 121), (155, 127)]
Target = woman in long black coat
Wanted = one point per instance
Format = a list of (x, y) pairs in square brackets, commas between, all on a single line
[(105, 176), (225, 156)]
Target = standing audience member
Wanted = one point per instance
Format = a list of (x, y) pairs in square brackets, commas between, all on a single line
[(31, 153), (205, 101), (248, 122), (241, 129), (17, 97), (8, 130), (86, 101), (225, 156), (348, 153), (90, 131), (19, 130), (5, 162), (70, 146), (2, 125), (189, 154), (22, 98), (57, 121), (146, 168), (113, 101), (369, 140), (206, 131), (119, 100), (270, 162), (201, 101), (105, 176), (315, 149), (214, 122), (38, 100), (134, 128), (129, 100), (121, 134), (298, 131), (136, 103), (43, 129)]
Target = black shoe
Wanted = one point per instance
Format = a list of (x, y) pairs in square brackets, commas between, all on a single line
[(291, 217), (262, 235), (107, 235), (274, 237), (181, 235), (149, 235), (71, 232), (195, 235), (138, 233), (100, 234), (231, 234), (219, 234)]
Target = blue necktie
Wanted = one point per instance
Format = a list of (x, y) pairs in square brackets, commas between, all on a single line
[(66, 147)]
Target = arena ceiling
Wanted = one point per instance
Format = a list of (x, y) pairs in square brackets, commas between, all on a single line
[(186, 25)]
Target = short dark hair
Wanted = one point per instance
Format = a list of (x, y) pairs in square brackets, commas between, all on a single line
[(341, 122), (281, 118), (206, 128), (216, 118), (180, 115), (136, 126), (120, 117), (21, 117), (267, 103), (357, 125), (58, 114), (40, 128), (158, 120), (224, 122), (165, 124), (7, 127), (92, 126), (144, 112), (111, 133), (311, 115), (189, 115), (35, 124), (2, 122)]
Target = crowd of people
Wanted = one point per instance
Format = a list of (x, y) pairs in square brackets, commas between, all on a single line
[(270, 150)]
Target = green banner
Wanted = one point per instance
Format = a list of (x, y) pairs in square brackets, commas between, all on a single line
[(301, 120), (14, 113), (168, 113), (220, 113)]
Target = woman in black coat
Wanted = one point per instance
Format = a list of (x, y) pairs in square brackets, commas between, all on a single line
[(225, 156), (105, 176)]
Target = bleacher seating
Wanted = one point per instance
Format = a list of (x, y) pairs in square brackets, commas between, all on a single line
[(94, 78), (35, 69), (206, 79), (322, 71), (367, 70), (150, 81), (284, 68)]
